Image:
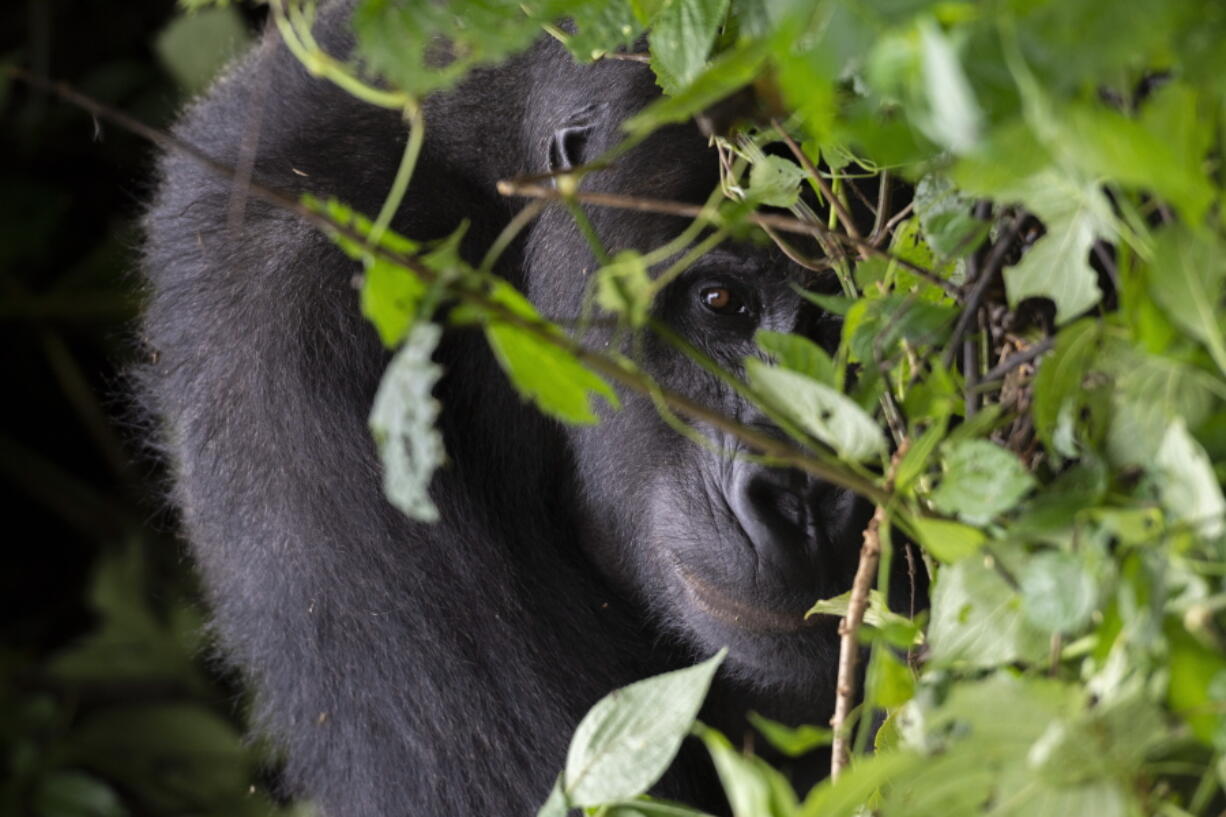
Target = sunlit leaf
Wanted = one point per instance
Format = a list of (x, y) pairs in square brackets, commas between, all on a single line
[(626, 741)]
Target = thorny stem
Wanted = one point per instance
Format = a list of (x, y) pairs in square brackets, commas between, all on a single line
[(857, 603)]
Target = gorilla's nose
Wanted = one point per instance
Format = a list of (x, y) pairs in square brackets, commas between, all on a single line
[(777, 509)]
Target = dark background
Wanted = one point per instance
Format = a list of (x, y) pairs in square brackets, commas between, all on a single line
[(110, 701)]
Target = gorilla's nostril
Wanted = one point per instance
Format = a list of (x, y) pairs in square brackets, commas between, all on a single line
[(774, 513)]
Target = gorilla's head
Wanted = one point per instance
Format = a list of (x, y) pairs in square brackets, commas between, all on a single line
[(722, 549)]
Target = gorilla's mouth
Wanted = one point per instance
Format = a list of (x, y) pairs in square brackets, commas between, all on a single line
[(740, 614)]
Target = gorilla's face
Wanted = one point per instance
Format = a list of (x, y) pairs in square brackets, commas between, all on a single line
[(724, 550)]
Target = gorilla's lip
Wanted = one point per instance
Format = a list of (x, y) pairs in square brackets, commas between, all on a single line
[(738, 613)]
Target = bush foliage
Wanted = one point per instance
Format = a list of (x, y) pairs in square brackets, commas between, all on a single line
[(1030, 383)]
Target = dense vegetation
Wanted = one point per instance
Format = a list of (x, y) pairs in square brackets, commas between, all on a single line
[(1030, 384)]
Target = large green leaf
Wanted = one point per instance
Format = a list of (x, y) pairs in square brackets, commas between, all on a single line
[(827, 414), (1188, 486), (542, 371), (626, 741), (1076, 214), (1188, 280), (681, 38), (981, 481), (977, 619), (1058, 383)]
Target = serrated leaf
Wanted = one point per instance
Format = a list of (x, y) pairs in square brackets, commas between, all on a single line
[(727, 73), (627, 740), (827, 414), (681, 38), (976, 619), (1076, 214), (775, 181), (543, 372), (402, 420), (981, 481), (602, 26)]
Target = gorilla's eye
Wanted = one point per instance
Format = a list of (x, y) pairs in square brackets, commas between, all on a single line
[(722, 301)]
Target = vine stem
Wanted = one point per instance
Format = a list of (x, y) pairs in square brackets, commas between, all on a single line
[(849, 626)]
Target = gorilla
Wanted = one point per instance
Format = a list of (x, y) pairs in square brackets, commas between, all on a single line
[(440, 669)]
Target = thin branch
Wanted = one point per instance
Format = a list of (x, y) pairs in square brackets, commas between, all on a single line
[(878, 237), (857, 603), (839, 208), (979, 279), (787, 224), (883, 204), (785, 453), (1013, 361)]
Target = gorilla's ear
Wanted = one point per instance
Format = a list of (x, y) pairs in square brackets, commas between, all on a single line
[(568, 146)]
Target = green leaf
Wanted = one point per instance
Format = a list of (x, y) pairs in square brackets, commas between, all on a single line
[(402, 420), (681, 38), (624, 287), (728, 72), (889, 682), (1057, 385), (946, 540), (753, 788), (945, 217), (775, 181), (555, 804), (195, 47), (981, 481), (799, 354), (954, 120), (977, 621), (541, 371), (827, 414), (915, 461), (627, 740), (1187, 483), (76, 794), (1076, 214), (792, 741), (1058, 595), (897, 629), (857, 785), (602, 26), (400, 41), (1189, 282), (1197, 688)]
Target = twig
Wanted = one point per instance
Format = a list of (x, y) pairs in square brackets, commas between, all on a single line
[(787, 224), (623, 373), (1013, 361), (879, 237), (883, 204), (979, 281), (807, 164), (857, 603)]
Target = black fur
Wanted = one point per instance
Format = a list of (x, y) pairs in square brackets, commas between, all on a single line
[(440, 669)]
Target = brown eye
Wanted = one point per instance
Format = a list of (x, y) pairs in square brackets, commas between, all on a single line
[(721, 301)]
